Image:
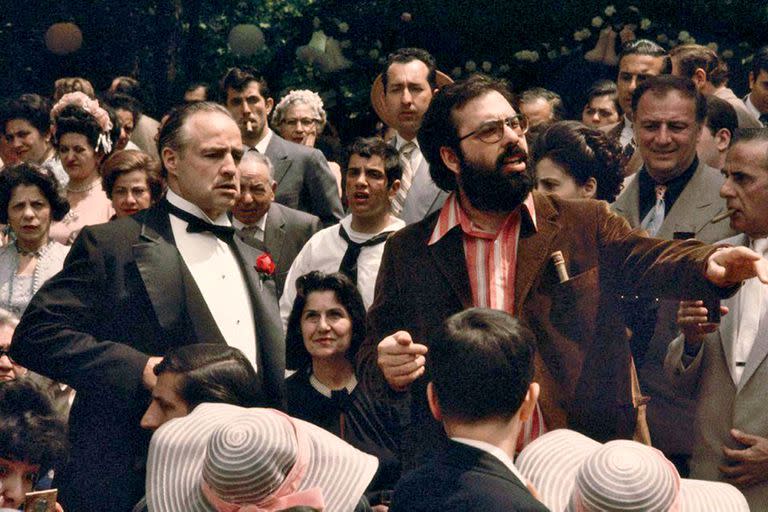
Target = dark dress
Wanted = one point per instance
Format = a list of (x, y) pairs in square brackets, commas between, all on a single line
[(370, 426)]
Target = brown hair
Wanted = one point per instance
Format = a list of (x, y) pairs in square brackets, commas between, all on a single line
[(129, 160)]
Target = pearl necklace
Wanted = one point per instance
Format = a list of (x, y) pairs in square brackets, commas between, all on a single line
[(86, 188)]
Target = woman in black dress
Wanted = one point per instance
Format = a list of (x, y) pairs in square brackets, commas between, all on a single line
[(325, 329)]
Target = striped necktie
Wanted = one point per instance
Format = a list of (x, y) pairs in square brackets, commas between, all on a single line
[(405, 182)]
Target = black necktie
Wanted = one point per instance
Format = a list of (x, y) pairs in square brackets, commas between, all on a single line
[(349, 261), (198, 225), (764, 119), (339, 397)]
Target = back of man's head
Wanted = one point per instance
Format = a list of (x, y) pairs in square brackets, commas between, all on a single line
[(212, 372), (688, 58), (481, 365), (721, 114), (555, 102)]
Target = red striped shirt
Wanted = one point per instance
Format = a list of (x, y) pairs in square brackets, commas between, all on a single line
[(491, 265)]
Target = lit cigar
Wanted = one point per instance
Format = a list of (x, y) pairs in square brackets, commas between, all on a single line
[(559, 261), (723, 216), (249, 126)]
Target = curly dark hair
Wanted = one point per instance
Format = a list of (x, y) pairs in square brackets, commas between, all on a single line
[(30, 431), (297, 357), (583, 153), (73, 119), (32, 175)]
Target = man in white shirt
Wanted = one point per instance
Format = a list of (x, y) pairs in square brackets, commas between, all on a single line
[(409, 80), (355, 246), (481, 388), (725, 365), (130, 289), (305, 182)]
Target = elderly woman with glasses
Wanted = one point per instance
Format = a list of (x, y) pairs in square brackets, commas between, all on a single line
[(300, 117)]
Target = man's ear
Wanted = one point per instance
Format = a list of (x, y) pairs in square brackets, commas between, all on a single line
[(434, 404), (722, 139), (268, 104), (529, 402), (393, 188), (589, 189), (450, 159), (274, 187), (170, 160), (699, 77), (751, 80)]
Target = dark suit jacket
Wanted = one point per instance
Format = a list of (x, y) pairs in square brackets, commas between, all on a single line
[(583, 359), (304, 181), (463, 479), (124, 295), (285, 233)]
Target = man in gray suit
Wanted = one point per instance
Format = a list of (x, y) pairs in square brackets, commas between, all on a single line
[(263, 224), (710, 74), (410, 79), (725, 366), (305, 181), (674, 192)]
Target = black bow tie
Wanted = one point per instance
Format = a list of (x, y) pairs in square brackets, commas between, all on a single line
[(198, 225)]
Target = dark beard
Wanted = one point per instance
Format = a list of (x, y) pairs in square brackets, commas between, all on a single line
[(494, 190)]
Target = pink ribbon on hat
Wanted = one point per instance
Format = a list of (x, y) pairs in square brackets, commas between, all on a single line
[(285, 496)]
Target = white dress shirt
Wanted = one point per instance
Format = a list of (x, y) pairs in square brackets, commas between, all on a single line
[(627, 132), (496, 452), (258, 229), (324, 252), (752, 301), (751, 107), (261, 146), (217, 274)]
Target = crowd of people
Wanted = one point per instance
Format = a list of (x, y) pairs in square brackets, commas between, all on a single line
[(490, 307)]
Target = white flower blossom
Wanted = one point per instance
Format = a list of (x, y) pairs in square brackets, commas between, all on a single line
[(527, 55), (343, 27), (662, 38), (470, 66), (374, 53), (456, 72), (645, 24), (610, 10), (564, 50), (582, 34), (504, 68), (712, 46), (553, 54), (727, 54), (683, 35), (597, 21), (486, 66)]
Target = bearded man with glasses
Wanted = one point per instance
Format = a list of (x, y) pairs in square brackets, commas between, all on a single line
[(555, 264)]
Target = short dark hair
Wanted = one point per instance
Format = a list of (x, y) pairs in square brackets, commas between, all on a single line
[(480, 363), (30, 430), (124, 102), (129, 160), (238, 79), (66, 85), (32, 108), (212, 372), (368, 147), (583, 153), (646, 47), (721, 114), (760, 61), (690, 57), (32, 175), (406, 55), (348, 296), (128, 85), (438, 127), (604, 88), (664, 84), (551, 97), (194, 85), (171, 132)]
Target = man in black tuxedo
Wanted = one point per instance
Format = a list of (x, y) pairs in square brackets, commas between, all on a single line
[(267, 226), (304, 180), (133, 288), (481, 366)]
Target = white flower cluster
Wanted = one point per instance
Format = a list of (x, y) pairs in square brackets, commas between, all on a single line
[(685, 38), (645, 24), (527, 55), (597, 22), (610, 10), (581, 35)]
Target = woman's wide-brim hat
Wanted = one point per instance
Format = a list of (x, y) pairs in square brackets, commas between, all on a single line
[(224, 457), (377, 96), (573, 473)]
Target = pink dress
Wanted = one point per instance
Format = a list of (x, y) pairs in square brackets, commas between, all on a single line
[(86, 209)]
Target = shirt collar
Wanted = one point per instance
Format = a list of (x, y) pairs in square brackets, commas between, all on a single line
[(260, 224), (400, 142), (261, 146), (452, 215), (496, 452), (191, 208), (751, 107), (325, 390)]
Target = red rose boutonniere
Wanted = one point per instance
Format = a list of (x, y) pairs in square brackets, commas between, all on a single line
[(265, 266)]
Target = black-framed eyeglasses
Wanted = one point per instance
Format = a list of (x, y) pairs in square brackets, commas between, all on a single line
[(491, 132), (7, 353), (304, 121)]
